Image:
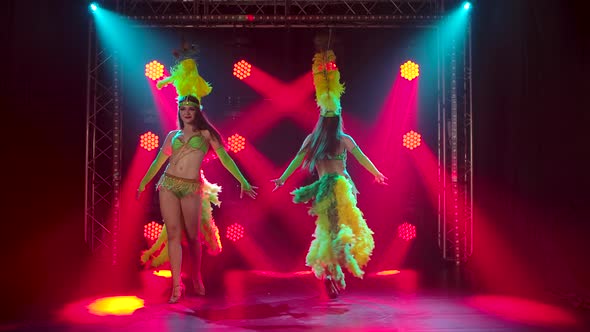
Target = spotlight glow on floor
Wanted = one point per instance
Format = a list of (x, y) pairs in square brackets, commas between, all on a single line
[(163, 273), (116, 305), (387, 272)]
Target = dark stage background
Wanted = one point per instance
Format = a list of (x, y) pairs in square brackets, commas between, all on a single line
[(530, 113)]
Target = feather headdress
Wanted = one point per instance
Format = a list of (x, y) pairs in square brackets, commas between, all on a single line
[(185, 76), (326, 79)]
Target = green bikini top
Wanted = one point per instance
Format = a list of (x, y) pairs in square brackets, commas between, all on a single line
[(195, 142), (340, 156)]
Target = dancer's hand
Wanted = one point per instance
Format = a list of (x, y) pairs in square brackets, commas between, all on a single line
[(250, 192), (138, 194), (381, 179), (278, 183)]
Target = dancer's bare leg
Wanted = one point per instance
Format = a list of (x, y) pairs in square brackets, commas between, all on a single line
[(191, 211), (171, 212)]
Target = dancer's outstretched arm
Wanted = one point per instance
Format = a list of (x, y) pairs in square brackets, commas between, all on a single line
[(295, 163), (363, 160), (231, 166), (161, 158)]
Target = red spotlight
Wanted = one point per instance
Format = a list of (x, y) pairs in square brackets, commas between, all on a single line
[(149, 141), (406, 231), (236, 143), (410, 70), (235, 232), (412, 140), (154, 70), (250, 17), (242, 69), (209, 157), (152, 230)]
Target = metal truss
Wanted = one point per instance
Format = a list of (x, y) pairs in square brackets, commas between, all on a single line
[(269, 21), (456, 152), (103, 150), (280, 7)]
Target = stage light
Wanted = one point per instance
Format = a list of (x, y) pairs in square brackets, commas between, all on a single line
[(412, 140), (242, 69), (466, 5), (209, 157), (235, 232), (236, 143), (152, 230), (93, 6), (154, 70), (410, 70), (406, 231), (149, 141)]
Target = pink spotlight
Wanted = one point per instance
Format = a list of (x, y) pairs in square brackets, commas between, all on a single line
[(412, 140), (242, 69), (209, 157), (152, 230), (149, 141), (406, 231), (235, 232), (236, 143)]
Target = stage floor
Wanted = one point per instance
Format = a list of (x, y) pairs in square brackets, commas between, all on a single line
[(268, 301)]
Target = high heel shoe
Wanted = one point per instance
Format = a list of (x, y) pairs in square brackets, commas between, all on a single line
[(199, 288), (177, 293), (331, 288)]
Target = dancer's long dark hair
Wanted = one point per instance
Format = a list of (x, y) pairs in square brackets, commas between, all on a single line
[(324, 140), (200, 122)]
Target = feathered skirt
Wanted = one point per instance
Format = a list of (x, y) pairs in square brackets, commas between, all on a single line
[(342, 237)]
